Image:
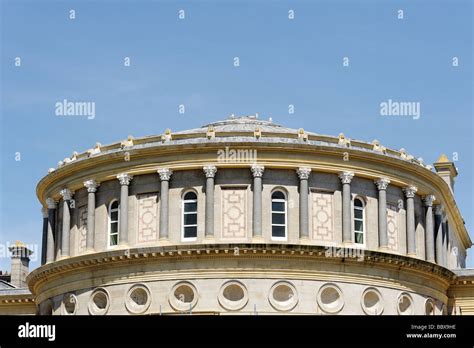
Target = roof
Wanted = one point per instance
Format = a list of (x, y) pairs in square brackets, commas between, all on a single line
[(8, 289), (242, 124), (4, 285)]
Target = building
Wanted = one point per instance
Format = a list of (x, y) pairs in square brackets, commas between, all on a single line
[(15, 297), (245, 216)]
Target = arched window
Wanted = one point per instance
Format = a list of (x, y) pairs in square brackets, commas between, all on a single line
[(278, 215), (359, 224), (114, 209), (189, 223)]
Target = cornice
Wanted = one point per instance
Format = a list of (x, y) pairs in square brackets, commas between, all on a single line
[(17, 299), (127, 257)]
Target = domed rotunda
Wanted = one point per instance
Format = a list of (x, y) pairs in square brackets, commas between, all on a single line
[(245, 216)]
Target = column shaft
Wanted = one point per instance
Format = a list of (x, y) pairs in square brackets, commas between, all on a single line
[(429, 229), (123, 233), (346, 178), (65, 236), (304, 228), (257, 206), (257, 172), (429, 235), (439, 235), (382, 185), (209, 207), (303, 174), (383, 237), (165, 176), (124, 180), (44, 239), (410, 216), (411, 241), (91, 186), (90, 221), (210, 172), (444, 229), (50, 249), (346, 213), (164, 209), (65, 239)]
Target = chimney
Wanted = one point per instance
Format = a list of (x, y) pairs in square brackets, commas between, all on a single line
[(446, 169), (20, 256)]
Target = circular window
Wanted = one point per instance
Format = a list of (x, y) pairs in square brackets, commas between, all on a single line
[(330, 298), (429, 307), (183, 296), (99, 302), (372, 302), (69, 304), (233, 296), (405, 304), (138, 299), (283, 296)]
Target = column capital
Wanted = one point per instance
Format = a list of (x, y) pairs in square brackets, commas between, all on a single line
[(346, 177), (438, 209), (91, 185), (165, 174), (51, 203), (428, 200), (210, 171), (124, 178), (66, 194), (382, 183), (257, 170), (303, 173), (44, 212), (410, 191)]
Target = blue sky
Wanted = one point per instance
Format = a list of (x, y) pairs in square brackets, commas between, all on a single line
[(190, 62)]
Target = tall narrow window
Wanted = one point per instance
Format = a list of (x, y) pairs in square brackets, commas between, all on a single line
[(189, 216), (114, 223), (278, 215), (359, 221)]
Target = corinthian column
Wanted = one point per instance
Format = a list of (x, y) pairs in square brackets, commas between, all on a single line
[(210, 172), (346, 178), (257, 172), (44, 239), (438, 211), (382, 185), (411, 238), (51, 229), (444, 228), (65, 238), (429, 226), (124, 180), (91, 186), (165, 176), (303, 174)]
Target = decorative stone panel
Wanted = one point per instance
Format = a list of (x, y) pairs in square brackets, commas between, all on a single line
[(392, 226), (234, 217), (322, 216), (147, 217), (82, 230)]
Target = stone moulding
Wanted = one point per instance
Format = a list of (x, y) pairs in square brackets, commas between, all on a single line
[(125, 257)]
